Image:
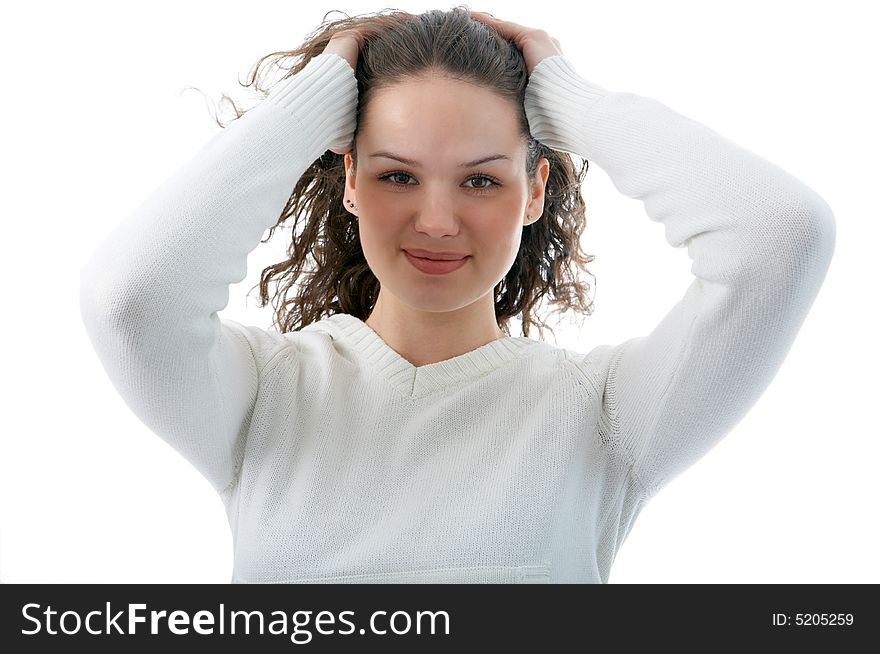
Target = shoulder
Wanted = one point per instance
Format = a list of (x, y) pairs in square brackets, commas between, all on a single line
[(592, 368), (264, 344)]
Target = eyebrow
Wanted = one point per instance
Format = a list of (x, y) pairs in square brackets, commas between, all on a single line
[(416, 164)]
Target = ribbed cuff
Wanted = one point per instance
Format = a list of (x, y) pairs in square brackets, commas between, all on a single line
[(322, 99), (557, 101)]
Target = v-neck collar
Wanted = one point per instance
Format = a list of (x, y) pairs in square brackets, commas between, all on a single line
[(418, 381)]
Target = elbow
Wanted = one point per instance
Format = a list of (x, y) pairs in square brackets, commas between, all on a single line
[(818, 233), (810, 231), (794, 245), (812, 243), (106, 303)]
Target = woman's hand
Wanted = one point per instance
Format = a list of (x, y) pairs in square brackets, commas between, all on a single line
[(347, 44), (535, 44)]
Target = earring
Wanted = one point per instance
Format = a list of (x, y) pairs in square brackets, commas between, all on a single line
[(352, 205)]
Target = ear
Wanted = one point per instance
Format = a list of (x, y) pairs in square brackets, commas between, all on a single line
[(535, 206), (349, 194)]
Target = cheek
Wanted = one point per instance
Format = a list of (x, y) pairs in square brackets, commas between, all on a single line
[(381, 238), (381, 209), (491, 228), (499, 233)]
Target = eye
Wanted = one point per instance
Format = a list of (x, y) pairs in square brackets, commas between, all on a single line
[(388, 177), (485, 179)]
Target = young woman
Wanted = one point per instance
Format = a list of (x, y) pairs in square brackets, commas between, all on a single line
[(390, 429)]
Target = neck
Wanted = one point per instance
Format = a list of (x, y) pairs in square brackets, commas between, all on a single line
[(426, 337)]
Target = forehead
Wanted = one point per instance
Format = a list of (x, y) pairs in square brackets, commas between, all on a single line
[(440, 118)]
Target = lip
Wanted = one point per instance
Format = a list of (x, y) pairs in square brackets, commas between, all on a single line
[(437, 256), (433, 267)]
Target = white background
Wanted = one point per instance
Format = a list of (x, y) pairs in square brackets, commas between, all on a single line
[(94, 118)]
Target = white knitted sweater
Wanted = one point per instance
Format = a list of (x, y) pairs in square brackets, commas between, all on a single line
[(518, 462)]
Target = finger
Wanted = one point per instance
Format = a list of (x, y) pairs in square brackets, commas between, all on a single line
[(502, 27), (506, 28), (487, 17)]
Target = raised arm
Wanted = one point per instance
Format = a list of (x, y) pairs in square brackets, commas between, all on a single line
[(761, 242), (150, 293)]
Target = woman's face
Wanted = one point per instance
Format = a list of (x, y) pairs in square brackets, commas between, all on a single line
[(440, 200)]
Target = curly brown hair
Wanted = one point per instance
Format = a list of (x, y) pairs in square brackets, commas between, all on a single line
[(403, 45)]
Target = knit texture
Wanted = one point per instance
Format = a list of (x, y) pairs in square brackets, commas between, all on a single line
[(518, 462)]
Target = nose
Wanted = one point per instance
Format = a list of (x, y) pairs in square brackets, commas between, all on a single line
[(437, 218)]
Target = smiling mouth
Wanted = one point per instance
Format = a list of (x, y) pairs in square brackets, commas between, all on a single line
[(432, 259), (434, 266), (439, 257)]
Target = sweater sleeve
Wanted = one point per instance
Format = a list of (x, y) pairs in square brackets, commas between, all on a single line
[(761, 242), (150, 293)]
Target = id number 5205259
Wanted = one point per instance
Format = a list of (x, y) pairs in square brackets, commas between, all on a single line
[(813, 619)]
